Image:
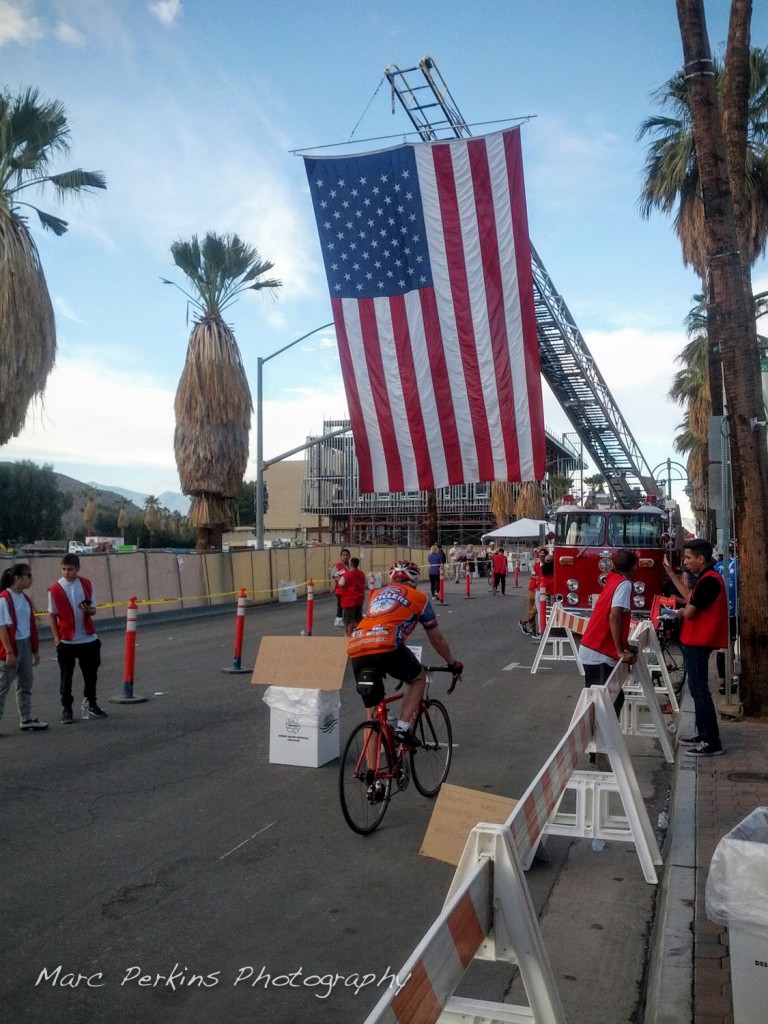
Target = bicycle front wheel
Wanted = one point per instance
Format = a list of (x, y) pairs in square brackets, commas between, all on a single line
[(431, 762), (362, 810), (675, 665)]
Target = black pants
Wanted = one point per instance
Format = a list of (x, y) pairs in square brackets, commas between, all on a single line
[(434, 583), (88, 655), (500, 580), (597, 675)]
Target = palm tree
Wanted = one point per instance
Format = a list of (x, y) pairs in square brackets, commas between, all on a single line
[(151, 516), (90, 508), (123, 518), (529, 504), (213, 402), (671, 175), (690, 388), (33, 132)]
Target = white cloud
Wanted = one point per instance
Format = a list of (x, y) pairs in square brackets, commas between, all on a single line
[(166, 11), (16, 26), (69, 35)]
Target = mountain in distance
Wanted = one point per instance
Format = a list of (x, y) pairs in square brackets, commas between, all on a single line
[(168, 499)]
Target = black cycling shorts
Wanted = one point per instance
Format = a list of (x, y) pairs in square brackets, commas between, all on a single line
[(401, 663)]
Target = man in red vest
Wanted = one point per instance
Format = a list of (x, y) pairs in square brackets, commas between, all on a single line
[(18, 643), (72, 608), (704, 629), (336, 573), (604, 643)]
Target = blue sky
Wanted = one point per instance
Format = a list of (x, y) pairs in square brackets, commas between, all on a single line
[(192, 108)]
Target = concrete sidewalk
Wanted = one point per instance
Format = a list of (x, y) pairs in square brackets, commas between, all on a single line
[(689, 976)]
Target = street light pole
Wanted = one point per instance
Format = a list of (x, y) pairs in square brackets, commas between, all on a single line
[(260, 432)]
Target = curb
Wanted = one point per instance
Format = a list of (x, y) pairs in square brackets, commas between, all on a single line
[(669, 987)]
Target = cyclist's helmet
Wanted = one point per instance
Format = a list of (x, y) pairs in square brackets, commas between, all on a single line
[(404, 572)]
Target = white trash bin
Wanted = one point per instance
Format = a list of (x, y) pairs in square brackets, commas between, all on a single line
[(737, 897)]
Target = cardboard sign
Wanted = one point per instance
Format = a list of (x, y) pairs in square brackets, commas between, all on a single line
[(456, 813), (307, 662)]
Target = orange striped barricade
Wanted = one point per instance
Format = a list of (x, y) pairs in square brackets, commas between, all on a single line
[(468, 581), (441, 592), (129, 661), (236, 667), (310, 606), (555, 646), (488, 913)]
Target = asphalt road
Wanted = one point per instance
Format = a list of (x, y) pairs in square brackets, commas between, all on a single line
[(157, 868)]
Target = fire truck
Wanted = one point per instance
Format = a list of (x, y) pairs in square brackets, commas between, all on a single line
[(586, 541)]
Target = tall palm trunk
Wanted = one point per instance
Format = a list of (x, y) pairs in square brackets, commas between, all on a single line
[(734, 327)]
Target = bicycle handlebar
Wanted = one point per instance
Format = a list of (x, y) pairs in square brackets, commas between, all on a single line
[(445, 668)]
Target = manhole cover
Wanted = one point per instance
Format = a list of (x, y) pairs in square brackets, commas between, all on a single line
[(747, 776)]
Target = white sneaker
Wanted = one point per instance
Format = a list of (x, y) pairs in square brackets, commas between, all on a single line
[(338, 622)]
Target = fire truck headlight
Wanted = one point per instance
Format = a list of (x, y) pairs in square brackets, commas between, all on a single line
[(639, 587), (638, 602), (602, 578), (605, 565), (573, 584), (573, 599)]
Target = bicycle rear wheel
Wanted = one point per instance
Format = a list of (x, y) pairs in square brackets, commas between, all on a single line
[(675, 664), (431, 762), (362, 813)]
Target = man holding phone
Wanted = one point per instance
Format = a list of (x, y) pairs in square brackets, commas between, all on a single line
[(72, 608)]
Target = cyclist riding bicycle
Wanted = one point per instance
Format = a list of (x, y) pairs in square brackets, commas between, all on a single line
[(379, 642)]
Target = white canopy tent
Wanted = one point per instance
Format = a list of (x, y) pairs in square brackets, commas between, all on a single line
[(522, 529)]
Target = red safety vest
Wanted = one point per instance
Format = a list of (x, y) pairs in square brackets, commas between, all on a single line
[(597, 636), (65, 613), (353, 591), (12, 628), (709, 626)]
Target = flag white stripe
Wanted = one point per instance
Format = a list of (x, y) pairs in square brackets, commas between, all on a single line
[(444, 299), (351, 312), (430, 402), (473, 259), (512, 308), (396, 398)]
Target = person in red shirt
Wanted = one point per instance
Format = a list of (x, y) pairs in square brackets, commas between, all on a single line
[(352, 583), (499, 569), (336, 573), (529, 624)]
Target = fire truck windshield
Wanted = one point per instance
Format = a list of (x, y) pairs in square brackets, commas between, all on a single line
[(635, 531), (579, 527)]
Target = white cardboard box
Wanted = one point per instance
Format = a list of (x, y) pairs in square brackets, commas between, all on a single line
[(304, 676), (302, 735)]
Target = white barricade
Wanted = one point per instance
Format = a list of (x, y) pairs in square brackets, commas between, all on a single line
[(489, 914), (555, 648)]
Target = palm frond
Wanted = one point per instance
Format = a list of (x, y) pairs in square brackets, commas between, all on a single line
[(27, 323)]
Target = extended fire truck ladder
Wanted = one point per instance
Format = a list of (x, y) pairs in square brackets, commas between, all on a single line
[(566, 362)]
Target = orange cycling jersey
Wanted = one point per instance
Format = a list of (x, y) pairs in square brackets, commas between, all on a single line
[(393, 614)]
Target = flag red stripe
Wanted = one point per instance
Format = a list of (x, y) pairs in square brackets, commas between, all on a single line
[(457, 270), (411, 399), (356, 417), (447, 418), (494, 297), (527, 308), (382, 406)]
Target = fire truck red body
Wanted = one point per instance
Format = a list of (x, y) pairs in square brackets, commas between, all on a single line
[(586, 541)]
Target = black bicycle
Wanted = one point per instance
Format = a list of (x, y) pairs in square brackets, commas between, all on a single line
[(374, 764)]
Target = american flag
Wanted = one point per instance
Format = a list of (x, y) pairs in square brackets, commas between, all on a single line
[(428, 262)]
